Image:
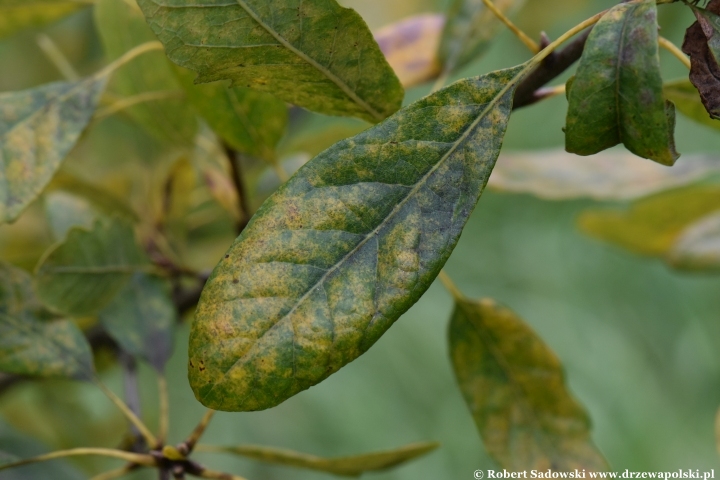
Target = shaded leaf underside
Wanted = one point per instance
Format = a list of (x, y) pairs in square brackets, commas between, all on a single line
[(345, 247), (314, 54)]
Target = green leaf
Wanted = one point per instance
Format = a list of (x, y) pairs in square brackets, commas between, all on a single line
[(122, 26), (469, 28), (16, 15), (613, 175), (85, 272), (515, 388), (687, 100), (337, 254), (44, 348), (38, 128), (352, 466), (141, 319), (617, 92), (251, 122), (71, 202), (651, 226), (17, 295), (698, 246), (312, 53)]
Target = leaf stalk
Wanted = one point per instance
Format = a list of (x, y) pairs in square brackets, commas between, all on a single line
[(531, 44)]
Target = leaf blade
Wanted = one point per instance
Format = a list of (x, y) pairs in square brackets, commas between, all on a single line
[(16, 15), (515, 388), (350, 466), (38, 128), (616, 95), (368, 217), (293, 47)]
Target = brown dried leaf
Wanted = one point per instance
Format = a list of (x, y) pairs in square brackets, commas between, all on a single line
[(704, 68)]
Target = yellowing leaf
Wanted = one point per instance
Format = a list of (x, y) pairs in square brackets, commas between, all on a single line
[(38, 128), (616, 96), (469, 28), (687, 100), (558, 175), (410, 46), (83, 274), (515, 388), (312, 53), (345, 247), (352, 466), (121, 26), (651, 226), (16, 15)]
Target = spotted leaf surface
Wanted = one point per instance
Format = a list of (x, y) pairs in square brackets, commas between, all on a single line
[(141, 319), (251, 122), (55, 348), (469, 29), (16, 15), (83, 274), (616, 96), (312, 53), (344, 248), (38, 128), (166, 117), (17, 295), (351, 466), (515, 388)]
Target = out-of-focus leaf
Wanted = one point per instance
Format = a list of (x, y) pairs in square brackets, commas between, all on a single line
[(411, 47), (17, 294), (651, 226), (616, 95), (16, 15), (698, 246), (345, 247), (141, 319), (558, 175), (54, 348), (14, 445), (469, 28), (85, 272), (251, 122), (38, 128), (353, 466), (515, 388), (312, 53), (685, 97), (122, 26), (71, 202), (222, 189), (704, 68)]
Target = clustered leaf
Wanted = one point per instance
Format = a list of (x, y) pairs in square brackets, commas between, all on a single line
[(515, 388), (82, 274), (616, 95), (122, 26), (339, 252), (468, 30), (141, 319), (317, 55), (38, 128)]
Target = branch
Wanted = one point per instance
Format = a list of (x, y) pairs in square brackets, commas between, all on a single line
[(239, 182), (550, 68)]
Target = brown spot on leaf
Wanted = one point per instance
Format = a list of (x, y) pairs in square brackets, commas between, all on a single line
[(704, 70)]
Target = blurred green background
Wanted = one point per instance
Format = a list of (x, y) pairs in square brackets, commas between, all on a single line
[(639, 341)]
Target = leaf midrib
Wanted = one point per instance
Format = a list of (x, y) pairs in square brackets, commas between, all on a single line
[(489, 107), (334, 78)]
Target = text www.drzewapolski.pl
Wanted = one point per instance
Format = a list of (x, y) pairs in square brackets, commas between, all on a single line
[(677, 474)]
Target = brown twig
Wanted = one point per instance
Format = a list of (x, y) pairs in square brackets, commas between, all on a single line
[(239, 182)]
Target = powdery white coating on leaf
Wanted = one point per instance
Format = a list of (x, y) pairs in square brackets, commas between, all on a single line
[(38, 128), (515, 388), (345, 247), (312, 53)]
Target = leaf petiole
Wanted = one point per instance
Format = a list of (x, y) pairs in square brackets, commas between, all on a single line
[(189, 444), (129, 56), (135, 458), (531, 44), (674, 50), (144, 431), (450, 285)]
